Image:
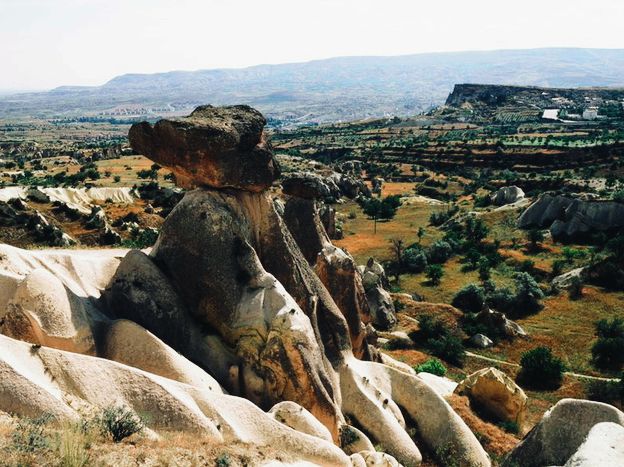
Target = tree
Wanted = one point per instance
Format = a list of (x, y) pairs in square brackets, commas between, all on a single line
[(397, 247), (484, 267), (535, 236), (528, 294), (439, 252), (415, 259), (469, 299), (476, 230), (377, 209), (434, 273), (420, 234)]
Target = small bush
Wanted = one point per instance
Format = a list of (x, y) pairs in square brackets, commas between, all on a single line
[(223, 460), (440, 339), (608, 351), (431, 328), (510, 427), (348, 436), (610, 392), (29, 434), (433, 366), (120, 422), (541, 369), (141, 238), (450, 348)]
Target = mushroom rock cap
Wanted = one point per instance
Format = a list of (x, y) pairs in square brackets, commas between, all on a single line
[(217, 147)]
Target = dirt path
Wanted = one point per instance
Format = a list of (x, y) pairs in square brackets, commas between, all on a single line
[(569, 373)]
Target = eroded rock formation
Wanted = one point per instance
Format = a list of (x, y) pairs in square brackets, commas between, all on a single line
[(233, 298)]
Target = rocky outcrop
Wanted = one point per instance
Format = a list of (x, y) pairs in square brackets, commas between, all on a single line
[(309, 185), (298, 418), (227, 298), (335, 268), (604, 447), (379, 300), (507, 195), (38, 380), (572, 218), (566, 280), (480, 341), (500, 322), (560, 433), (217, 147), (495, 393)]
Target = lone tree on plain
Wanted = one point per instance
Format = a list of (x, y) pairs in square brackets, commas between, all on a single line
[(384, 209)]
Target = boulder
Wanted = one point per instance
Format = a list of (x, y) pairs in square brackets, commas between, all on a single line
[(497, 394), (378, 459), (498, 320), (480, 341), (350, 186), (565, 281), (307, 185), (43, 312), (381, 308), (218, 235), (603, 447), (560, 432), (444, 386), (507, 195), (353, 440), (298, 418), (217, 147)]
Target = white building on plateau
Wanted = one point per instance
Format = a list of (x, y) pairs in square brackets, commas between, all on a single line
[(590, 113)]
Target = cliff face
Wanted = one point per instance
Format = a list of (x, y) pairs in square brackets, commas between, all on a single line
[(497, 95)]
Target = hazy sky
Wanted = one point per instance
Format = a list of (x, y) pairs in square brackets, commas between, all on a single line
[(47, 43)]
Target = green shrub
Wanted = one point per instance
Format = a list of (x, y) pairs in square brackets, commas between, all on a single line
[(29, 434), (415, 260), (141, 238), (439, 252), (431, 328), (440, 339), (610, 392), (120, 422), (449, 348), (348, 435), (541, 369), (433, 366), (223, 460), (470, 299), (434, 273), (510, 427), (528, 295), (608, 351)]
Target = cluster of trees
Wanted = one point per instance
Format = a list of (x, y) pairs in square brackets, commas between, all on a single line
[(87, 172), (380, 209)]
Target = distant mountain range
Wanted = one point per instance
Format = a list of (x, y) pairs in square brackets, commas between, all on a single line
[(336, 89)]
